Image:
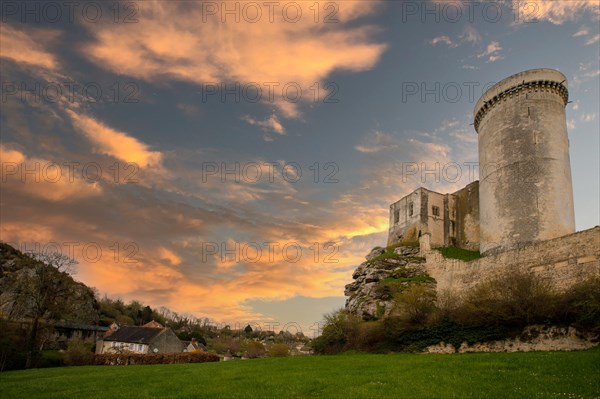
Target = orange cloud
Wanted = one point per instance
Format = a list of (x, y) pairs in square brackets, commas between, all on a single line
[(554, 11), (183, 43), (170, 256), (115, 143), (42, 178), (28, 48)]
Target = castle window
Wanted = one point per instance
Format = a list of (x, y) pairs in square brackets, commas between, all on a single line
[(410, 209), (435, 210), (396, 216)]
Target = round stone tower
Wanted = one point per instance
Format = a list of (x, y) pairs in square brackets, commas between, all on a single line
[(525, 189)]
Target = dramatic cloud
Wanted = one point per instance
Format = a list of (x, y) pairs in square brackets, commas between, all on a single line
[(556, 12), (44, 179), (114, 143), (28, 48), (185, 42)]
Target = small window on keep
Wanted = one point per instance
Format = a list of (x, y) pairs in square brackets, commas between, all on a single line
[(396, 216), (435, 210), (410, 209)]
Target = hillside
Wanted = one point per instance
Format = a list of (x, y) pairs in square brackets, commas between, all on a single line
[(42, 288)]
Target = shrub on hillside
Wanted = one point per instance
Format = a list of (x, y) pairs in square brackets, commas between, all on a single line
[(580, 305), (125, 359), (416, 304), (79, 353), (51, 358), (513, 299), (279, 350), (367, 336), (496, 309), (253, 349), (227, 344), (338, 326)]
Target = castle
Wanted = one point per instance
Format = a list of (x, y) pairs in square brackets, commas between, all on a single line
[(519, 216), (524, 195)]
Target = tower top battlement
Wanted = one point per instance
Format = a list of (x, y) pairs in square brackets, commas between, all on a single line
[(549, 80)]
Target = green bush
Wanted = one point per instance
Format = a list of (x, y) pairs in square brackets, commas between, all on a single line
[(580, 305), (337, 327), (514, 299), (51, 359), (279, 350), (253, 349), (368, 336), (79, 353), (416, 304)]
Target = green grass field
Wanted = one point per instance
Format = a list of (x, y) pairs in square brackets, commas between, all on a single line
[(481, 375)]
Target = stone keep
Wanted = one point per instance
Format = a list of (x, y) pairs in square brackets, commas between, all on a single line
[(525, 189)]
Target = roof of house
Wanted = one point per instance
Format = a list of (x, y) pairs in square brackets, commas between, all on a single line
[(195, 345), (153, 324), (74, 326), (139, 335)]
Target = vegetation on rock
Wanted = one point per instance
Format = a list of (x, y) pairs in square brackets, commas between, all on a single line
[(396, 308)]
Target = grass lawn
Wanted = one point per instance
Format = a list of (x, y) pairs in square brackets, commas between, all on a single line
[(480, 375)]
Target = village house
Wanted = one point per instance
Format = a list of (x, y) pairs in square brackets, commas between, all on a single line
[(149, 338), (194, 346)]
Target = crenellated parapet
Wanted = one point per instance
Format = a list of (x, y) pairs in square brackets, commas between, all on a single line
[(547, 86)]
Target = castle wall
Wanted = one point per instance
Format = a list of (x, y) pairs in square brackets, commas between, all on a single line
[(437, 214), (435, 223), (407, 226), (467, 217), (525, 189), (565, 260)]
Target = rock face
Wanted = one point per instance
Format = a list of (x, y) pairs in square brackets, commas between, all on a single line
[(533, 338), (385, 274)]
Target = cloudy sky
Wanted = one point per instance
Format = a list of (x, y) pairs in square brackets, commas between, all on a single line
[(236, 160)]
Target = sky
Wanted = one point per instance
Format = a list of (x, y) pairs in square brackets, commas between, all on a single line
[(236, 160)]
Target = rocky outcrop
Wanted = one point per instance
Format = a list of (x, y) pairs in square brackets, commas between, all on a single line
[(533, 338), (378, 281)]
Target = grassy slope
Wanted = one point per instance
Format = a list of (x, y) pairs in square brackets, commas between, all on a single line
[(482, 375)]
